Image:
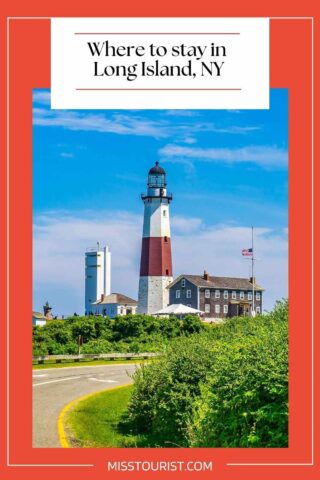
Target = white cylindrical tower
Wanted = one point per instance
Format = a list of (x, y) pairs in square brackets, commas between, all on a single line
[(156, 262), (97, 275), (107, 271)]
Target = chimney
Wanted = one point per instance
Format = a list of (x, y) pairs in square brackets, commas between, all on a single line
[(205, 275), (252, 280)]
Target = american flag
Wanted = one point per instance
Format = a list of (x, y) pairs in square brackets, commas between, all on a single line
[(247, 252)]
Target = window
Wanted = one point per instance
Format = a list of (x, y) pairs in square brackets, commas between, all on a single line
[(207, 308), (249, 295), (167, 272), (217, 308), (188, 293), (234, 295), (165, 239), (258, 295), (156, 180), (183, 283), (258, 309), (177, 293), (207, 293), (226, 294), (217, 294), (241, 295), (164, 213), (225, 308)]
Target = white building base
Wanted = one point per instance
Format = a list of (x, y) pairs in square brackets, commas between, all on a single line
[(153, 294)]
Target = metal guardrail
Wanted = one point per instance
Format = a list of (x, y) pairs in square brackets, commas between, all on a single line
[(93, 356)]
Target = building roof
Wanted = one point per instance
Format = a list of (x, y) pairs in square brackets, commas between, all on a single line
[(39, 315), (115, 298), (156, 170), (177, 309), (227, 283)]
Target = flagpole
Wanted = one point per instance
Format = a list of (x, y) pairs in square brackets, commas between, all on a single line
[(252, 274)]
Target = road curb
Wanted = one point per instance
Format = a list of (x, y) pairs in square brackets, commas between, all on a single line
[(63, 437)]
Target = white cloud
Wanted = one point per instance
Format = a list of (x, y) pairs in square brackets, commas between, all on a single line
[(189, 140), (60, 240), (184, 225), (264, 156), (41, 96), (98, 122), (124, 124)]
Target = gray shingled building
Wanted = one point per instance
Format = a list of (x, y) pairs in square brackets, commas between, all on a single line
[(217, 297)]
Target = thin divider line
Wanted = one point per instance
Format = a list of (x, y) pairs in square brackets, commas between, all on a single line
[(8, 243), (50, 465), (8, 463), (159, 89), (312, 264), (156, 33), (312, 239), (268, 464)]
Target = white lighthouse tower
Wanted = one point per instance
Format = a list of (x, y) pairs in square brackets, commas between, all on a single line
[(98, 275), (156, 263)]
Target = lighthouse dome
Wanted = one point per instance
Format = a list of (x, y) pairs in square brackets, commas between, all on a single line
[(157, 170)]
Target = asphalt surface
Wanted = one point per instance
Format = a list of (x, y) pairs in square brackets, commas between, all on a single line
[(55, 387)]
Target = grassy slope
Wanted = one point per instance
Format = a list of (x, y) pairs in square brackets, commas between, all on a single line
[(94, 421)]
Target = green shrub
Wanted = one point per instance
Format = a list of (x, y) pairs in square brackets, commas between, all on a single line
[(192, 324), (244, 400), (128, 333), (39, 349), (97, 346), (223, 387), (164, 391)]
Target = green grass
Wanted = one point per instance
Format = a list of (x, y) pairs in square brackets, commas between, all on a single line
[(94, 421), (90, 363), (99, 422)]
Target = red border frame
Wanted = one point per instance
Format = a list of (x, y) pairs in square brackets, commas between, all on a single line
[(290, 41)]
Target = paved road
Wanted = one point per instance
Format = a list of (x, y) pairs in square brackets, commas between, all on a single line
[(55, 387)]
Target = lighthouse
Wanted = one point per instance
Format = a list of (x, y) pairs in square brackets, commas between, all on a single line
[(156, 263)]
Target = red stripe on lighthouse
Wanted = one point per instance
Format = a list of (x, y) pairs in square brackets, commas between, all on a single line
[(156, 257)]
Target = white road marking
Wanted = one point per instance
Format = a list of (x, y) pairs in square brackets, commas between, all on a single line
[(101, 380), (119, 365), (54, 381), (42, 375)]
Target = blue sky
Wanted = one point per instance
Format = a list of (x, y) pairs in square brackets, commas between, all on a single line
[(227, 170)]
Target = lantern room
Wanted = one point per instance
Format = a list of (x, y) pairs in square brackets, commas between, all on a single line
[(157, 177)]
